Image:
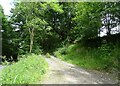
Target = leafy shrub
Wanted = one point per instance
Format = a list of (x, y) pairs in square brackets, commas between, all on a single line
[(104, 58), (27, 70), (47, 55), (37, 50)]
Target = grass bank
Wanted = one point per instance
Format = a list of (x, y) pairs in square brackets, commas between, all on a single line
[(28, 70), (104, 58)]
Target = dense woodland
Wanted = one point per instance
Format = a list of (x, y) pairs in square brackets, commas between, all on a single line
[(43, 27)]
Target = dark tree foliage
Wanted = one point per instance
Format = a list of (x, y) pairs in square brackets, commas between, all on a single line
[(43, 26), (9, 47)]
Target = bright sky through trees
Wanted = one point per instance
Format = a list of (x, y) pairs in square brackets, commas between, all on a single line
[(7, 5)]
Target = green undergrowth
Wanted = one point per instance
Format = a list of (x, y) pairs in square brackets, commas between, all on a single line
[(104, 58), (29, 70)]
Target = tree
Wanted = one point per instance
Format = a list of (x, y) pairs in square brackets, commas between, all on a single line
[(110, 16), (62, 22), (9, 49), (88, 16), (31, 22)]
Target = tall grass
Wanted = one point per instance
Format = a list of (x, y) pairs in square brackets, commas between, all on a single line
[(103, 58), (28, 70)]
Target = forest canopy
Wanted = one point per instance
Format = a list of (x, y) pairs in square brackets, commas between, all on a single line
[(40, 27)]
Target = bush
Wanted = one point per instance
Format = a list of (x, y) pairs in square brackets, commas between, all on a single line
[(48, 55), (104, 58), (28, 70), (37, 50)]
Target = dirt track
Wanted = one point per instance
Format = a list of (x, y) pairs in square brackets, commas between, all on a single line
[(61, 72)]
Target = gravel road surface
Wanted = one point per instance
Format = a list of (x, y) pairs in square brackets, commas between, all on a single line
[(61, 72)]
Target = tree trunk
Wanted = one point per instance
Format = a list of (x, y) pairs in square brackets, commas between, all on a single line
[(31, 39)]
